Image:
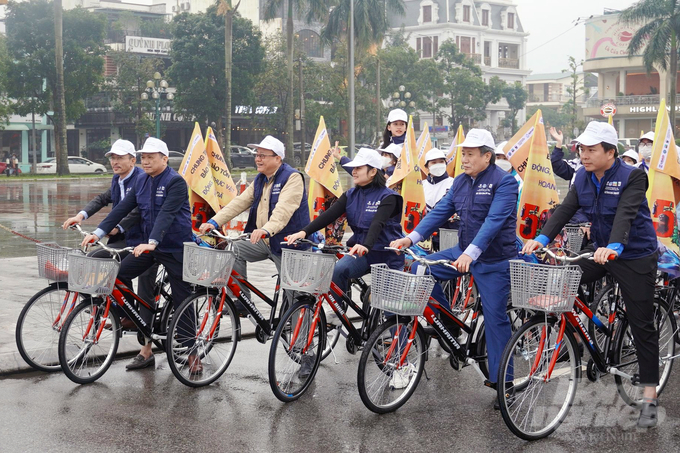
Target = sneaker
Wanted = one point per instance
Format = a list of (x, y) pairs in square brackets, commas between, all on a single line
[(648, 415), (307, 364), (401, 377), (140, 362)]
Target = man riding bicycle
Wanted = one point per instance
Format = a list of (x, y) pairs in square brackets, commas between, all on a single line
[(613, 197), (485, 198), (277, 204), (163, 201)]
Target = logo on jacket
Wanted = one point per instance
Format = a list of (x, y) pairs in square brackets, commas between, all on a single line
[(160, 191), (612, 188), (276, 188)]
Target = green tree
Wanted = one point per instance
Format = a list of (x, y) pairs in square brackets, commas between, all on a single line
[(32, 59), (198, 64), (5, 108), (125, 89), (575, 89), (552, 117), (516, 96), (316, 10), (657, 38)]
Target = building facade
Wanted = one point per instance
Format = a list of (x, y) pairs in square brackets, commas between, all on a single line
[(489, 32), (623, 82)]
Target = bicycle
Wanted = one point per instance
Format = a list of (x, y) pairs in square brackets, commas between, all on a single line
[(394, 356), (42, 318), (89, 337), (542, 359), (300, 340)]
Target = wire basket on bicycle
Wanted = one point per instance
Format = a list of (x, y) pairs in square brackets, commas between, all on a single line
[(308, 272), (90, 275), (206, 266), (448, 238), (399, 292), (544, 287), (574, 237), (53, 261)]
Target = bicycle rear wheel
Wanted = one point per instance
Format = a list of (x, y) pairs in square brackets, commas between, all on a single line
[(201, 332), (536, 401), (296, 349), (390, 367), (625, 354), (39, 324), (84, 353)]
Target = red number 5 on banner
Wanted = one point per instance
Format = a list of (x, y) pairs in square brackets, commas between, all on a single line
[(531, 218)]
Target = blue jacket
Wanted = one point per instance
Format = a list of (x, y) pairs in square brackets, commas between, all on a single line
[(163, 203), (300, 217), (601, 206), (133, 234), (362, 204), (487, 210), (566, 169)]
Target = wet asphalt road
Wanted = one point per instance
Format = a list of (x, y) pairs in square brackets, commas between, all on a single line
[(150, 410)]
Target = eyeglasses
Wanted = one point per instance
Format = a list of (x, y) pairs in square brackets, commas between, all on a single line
[(262, 156)]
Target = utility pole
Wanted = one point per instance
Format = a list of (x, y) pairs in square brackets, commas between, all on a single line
[(351, 79), (303, 147)]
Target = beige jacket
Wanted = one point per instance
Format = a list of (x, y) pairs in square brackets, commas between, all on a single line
[(289, 202)]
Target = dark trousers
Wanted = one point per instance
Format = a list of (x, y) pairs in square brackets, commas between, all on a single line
[(636, 279), (132, 267)]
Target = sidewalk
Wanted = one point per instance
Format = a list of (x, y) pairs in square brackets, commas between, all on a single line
[(19, 282)]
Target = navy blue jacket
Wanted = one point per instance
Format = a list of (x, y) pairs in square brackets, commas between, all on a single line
[(133, 233), (300, 217), (487, 208), (163, 203), (618, 211)]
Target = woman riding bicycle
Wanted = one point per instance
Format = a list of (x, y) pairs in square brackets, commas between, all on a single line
[(373, 213)]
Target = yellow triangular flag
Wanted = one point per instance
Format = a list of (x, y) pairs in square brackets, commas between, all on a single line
[(453, 165), (517, 148), (423, 145), (224, 184)]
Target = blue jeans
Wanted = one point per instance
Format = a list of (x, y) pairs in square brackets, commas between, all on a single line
[(493, 284)]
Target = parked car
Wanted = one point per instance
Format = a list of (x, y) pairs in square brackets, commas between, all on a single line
[(242, 157), (297, 153), (75, 165)]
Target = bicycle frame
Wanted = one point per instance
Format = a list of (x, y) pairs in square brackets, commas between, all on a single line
[(237, 279), (63, 314)]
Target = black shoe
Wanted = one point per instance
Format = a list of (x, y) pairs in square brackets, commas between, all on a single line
[(140, 362), (648, 414), (307, 365), (509, 396)]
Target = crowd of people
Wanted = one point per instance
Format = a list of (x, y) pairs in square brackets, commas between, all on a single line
[(151, 213)]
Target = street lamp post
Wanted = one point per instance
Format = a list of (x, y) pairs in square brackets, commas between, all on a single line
[(402, 98), (157, 88)]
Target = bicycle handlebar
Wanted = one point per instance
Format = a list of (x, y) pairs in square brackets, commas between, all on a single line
[(218, 234), (422, 260), (567, 259), (321, 245), (77, 227)]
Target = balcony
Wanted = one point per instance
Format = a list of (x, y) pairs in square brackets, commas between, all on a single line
[(487, 61), (477, 58), (511, 63)]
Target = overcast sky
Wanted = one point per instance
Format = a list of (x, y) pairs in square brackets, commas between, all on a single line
[(545, 20)]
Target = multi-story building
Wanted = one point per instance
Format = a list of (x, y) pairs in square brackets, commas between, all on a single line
[(623, 82), (551, 90), (489, 32)]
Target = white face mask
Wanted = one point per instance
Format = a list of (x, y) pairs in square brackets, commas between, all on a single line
[(386, 161), (504, 165), (437, 169), (645, 151)]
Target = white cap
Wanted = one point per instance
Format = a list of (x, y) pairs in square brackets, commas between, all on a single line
[(121, 148), (434, 153), (153, 145), (649, 136), (477, 138), (272, 144), (499, 148), (393, 149), (366, 156), (397, 115), (598, 132), (632, 154)]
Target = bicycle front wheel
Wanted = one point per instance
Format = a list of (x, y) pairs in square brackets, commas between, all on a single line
[(391, 364), (625, 354), (534, 397), (39, 324), (87, 345), (203, 339)]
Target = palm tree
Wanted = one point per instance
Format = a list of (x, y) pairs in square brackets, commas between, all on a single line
[(370, 27), (316, 10), (60, 108), (658, 34), (227, 10)]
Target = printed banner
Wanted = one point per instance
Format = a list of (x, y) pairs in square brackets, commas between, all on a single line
[(664, 151), (411, 183), (196, 172), (517, 148), (539, 193), (454, 166), (423, 145), (406, 160), (224, 184), (320, 199)]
